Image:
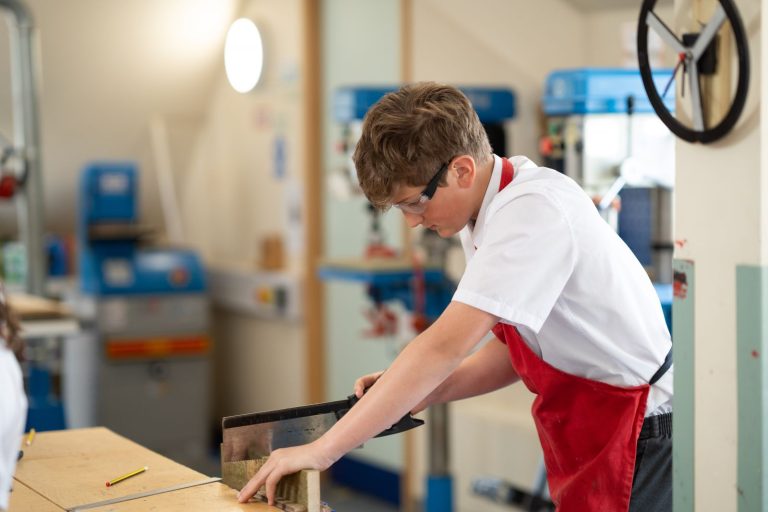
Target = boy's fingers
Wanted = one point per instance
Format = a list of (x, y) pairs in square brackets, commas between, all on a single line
[(251, 487), (272, 480), (360, 385), (365, 382), (246, 492), (242, 495)]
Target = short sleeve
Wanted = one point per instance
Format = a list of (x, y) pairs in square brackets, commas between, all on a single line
[(524, 260)]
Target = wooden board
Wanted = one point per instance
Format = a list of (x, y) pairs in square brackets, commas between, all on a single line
[(71, 467), (31, 307), (24, 499), (204, 498)]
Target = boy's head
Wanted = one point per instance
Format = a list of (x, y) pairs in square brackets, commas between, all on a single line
[(410, 137)]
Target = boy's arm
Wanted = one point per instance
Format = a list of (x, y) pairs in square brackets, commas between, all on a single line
[(488, 369), (420, 368)]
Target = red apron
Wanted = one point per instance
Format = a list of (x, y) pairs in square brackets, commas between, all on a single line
[(588, 429)]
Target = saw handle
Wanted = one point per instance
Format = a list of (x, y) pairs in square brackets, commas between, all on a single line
[(407, 422)]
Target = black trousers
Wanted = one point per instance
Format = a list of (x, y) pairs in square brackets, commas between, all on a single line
[(652, 486)]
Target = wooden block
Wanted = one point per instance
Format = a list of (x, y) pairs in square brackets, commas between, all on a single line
[(203, 498), (237, 474), (282, 504), (24, 499), (71, 467), (298, 490)]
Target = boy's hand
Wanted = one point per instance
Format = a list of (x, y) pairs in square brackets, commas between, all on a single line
[(369, 380), (285, 461), (365, 382)]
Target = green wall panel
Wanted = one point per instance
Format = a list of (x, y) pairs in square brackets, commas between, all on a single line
[(683, 337), (361, 45), (751, 312)]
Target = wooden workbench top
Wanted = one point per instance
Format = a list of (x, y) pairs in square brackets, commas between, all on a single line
[(24, 499), (69, 468), (205, 498)]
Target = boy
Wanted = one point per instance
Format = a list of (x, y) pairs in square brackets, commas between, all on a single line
[(576, 316)]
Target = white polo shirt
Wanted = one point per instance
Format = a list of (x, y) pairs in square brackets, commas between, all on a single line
[(540, 257), (13, 415)]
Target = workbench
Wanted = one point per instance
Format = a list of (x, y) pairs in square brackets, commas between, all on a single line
[(67, 470), (41, 317)]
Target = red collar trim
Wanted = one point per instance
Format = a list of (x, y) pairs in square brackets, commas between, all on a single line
[(507, 173)]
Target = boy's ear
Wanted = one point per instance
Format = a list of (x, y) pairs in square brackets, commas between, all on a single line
[(466, 170)]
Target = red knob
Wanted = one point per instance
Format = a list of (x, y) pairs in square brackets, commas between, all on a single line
[(7, 186), (546, 146)]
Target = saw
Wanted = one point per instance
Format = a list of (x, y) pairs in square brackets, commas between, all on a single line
[(254, 435)]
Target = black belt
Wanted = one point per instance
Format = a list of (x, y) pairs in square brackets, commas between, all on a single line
[(656, 426)]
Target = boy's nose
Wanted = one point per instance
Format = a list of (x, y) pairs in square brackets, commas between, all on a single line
[(413, 219)]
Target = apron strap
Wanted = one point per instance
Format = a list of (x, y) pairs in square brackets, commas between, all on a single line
[(663, 369)]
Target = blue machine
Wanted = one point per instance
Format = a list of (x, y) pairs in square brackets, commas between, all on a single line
[(601, 126), (494, 107), (145, 315), (397, 285), (45, 412), (111, 260), (600, 91)]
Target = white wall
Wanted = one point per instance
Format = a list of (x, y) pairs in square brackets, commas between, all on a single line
[(763, 85), (230, 193), (721, 219), (499, 42), (260, 365), (231, 196), (611, 35), (107, 68)]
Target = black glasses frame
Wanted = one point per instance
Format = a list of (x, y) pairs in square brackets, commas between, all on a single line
[(431, 188)]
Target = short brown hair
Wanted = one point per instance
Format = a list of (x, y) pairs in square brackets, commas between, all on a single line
[(9, 325), (410, 133)]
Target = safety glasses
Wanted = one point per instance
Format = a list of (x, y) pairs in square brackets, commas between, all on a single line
[(418, 206)]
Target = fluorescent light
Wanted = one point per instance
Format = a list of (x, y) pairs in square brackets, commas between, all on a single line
[(243, 55)]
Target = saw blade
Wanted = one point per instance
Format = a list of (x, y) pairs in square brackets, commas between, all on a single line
[(250, 436), (251, 441)]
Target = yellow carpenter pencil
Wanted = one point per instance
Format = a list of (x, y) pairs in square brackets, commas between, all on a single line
[(30, 437), (128, 475)]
